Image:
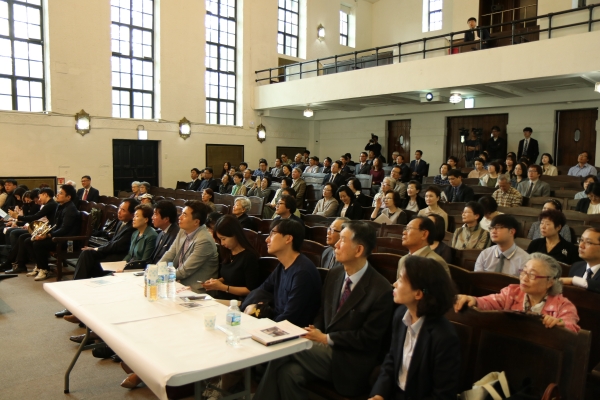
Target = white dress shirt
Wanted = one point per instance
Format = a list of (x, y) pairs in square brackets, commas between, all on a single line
[(410, 340), (581, 281)]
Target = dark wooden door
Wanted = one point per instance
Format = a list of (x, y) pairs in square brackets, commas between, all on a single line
[(567, 122), (399, 139), (484, 123), (134, 160)]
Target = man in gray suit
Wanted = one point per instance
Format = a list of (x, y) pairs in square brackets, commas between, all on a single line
[(328, 260), (194, 252), (417, 236), (534, 187), (356, 309)]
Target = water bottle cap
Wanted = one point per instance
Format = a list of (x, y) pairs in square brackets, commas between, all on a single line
[(233, 303)]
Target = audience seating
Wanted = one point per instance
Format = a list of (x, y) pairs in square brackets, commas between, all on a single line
[(391, 245), (222, 208), (392, 230), (313, 250), (466, 258), (386, 264), (317, 234), (61, 255), (315, 220), (261, 244), (522, 242), (257, 204), (252, 237), (264, 226)]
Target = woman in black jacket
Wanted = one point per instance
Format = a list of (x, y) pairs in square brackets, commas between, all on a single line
[(349, 206), (590, 204), (413, 202)]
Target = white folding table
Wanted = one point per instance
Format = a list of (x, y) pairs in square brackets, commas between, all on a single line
[(164, 343)]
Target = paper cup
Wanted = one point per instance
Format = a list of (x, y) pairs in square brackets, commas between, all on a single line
[(210, 318)]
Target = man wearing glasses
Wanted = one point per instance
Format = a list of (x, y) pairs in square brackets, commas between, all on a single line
[(328, 260), (585, 273), (505, 257), (285, 209), (418, 235), (293, 289)]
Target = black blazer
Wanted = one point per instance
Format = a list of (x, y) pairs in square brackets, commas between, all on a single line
[(484, 34), (10, 202), (496, 149), (464, 195), (354, 211), (48, 211), (93, 194), (67, 220), (532, 151), (339, 180), (420, 202), (578, 269), (357, 329), (120, 242), (164, 242), (421, 170), (194, 185), (434, 367), (405, 175), (209, 184), (362, 170)]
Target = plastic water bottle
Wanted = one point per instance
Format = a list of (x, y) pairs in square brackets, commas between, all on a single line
[(233, 319), (146, 282), (171, 282), (69, 246), (163, 276), (152, 282)]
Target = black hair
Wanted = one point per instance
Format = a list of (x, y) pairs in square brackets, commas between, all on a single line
[(211, 193), (527, 129), (328, 159), (479, 159), (455, 173), (440, 227), (496, 166), (537, 168), (416, 183), (507, 221), (196, 170), (594, 177), (306, 151), (166, 209), (268, 180), (425, 224), (348, 155), (429, 276), (288, 181), (345, 157), (496, 128), (348, 192), (208, 169), (453, 159), (557, 204), (287, 166), (13, 181), (435, 190), (289, 201), (362, 234), (131, 204), (86, 177), (290, 191), (489, 204), (69, 191), (593, 188), (338, 162), (472, 19), (477, 209), (34, 193), (19, 192), (199, 210), (146, 212), (396, 198), (356, 184), (245, 164), (292, 228), (212, 219), (333, 187), (262, 160), (419, 151), (523, 169), (230, 226), (239, 175), (446, 164), (365, 153), (48, 191), (557, 217)]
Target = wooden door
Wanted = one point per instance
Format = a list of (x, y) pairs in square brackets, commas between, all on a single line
[(134, 160), (484, 123), (399, 139), (567, 122)]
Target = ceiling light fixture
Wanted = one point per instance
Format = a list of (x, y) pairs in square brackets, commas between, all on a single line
[(308, 112), (455, 98), (429, 96), (82, 122)]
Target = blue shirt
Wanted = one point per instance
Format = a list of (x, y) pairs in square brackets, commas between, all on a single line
[(296, 291), (585, 171)]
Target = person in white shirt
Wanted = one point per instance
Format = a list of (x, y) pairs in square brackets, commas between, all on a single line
[(313, 167)]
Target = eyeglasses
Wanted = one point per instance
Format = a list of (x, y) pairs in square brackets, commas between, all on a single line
[(531, 276), (408, 228), (273, 232), (586, 243), (496, 227), (330, 229)]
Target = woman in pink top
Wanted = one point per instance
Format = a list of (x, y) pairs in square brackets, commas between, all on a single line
[(538, 293)]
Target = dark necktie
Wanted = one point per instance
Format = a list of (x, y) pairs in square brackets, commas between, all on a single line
[(530, 190), (588, 274), (346, 293), (331, 179), (85, 193), (500, 264), (525, 147), (454, 194)]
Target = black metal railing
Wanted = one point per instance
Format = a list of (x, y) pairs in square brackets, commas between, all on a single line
[(384, 55)]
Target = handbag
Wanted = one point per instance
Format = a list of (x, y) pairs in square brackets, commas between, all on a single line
[(488, 387)]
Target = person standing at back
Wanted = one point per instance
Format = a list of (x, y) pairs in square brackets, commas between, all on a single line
[(528, 147), (418, 167)]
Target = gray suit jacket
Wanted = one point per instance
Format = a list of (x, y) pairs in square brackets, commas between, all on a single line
[(541, 189), (427, 253), (201, 260), (328, 260)]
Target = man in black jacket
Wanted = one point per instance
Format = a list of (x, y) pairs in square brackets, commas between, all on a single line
[(165, 219), (67, 223), (87, 192), (356, 308), (9, 186), (195, 183), (363, 167), (209, 182), (17, 251), (374, 145), (496, 146), (458, 192), (528, 147), (585, 274), (405, 173), (477, 33), (335, 175)]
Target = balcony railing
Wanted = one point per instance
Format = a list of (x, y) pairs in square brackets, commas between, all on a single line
[(395, 53)]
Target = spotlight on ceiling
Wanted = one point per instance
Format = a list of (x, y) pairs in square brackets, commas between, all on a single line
[(455, 98), (308, 112), (429, 96)]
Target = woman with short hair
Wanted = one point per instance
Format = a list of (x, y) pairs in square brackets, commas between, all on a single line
[(143, 240), (392, 210), (535, 232), (225, 186), (479, 170), (471, 236), (238, 188), (135, 188), (328, 205), (520, 175), (261, 190), (551, 242), (585, 183), (442, 178), (413, 201), (538, 293), (438, 246), (547, 167), (490, 210), (591, 204), (241, 208), (432, 198), (355, 185), (348, 206), (491, 178), (208, 198)]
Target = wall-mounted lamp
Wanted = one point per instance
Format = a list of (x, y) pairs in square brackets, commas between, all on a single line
[(142, 133), (597, 89), (308, 112), (82, 122), (455, 98), (321, 32), (261, 133), (185, 128)]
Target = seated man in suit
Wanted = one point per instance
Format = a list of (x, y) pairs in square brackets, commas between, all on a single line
[(356, 308), (534, 187), (248, 181), (87, 192), (335, 176), (584, 273), (285, 209), (313, 165), (363, 167), (276, 170), (262, 170), (165, 219), (328, 260), (209, 182), (458, 192), (194, 252), (405, 173), (417, 236), (293, 289), (505, 256), (299, 186), (528, 147), (66, 223), (345, 169), (326, 165), (418, 167), (195, 183), (400, 187), (10, 185), (477, 33), (298, 162)]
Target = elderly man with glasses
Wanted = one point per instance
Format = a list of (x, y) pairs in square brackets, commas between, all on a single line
[(505, 256), (418, 235), (328, 260)]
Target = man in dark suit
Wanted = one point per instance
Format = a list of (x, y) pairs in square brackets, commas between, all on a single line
[(165, 219), (405, 172), (477, 33), (335, 176), (348, 332), (363, 167), (195, 183), (496, 146), (418, 167), (209, 182), (10, 185), (326, 166), (528, 147), (584, 273), (458, 192), (87, 192), (374, 145)]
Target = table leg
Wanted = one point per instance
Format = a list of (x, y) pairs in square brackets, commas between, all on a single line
[(198, 390), (82, 347)]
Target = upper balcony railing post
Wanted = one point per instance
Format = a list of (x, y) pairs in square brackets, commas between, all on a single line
[(399, 53), (270, 75), (300, 70), (549, 25), (377, 56), (336, 64), (512, 34), (424, 46), (591, 19), (451, 40), (355, 56), (317, 67)]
